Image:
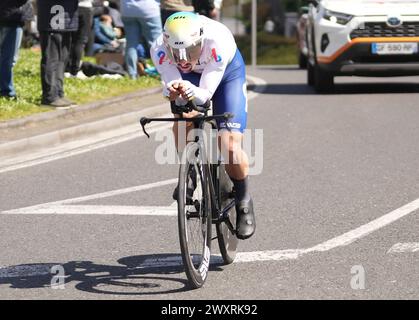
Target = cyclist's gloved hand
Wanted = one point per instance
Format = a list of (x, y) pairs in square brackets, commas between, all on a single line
[(189, 91), (171, 90)]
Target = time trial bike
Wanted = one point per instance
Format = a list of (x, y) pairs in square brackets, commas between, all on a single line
[(205, 196)]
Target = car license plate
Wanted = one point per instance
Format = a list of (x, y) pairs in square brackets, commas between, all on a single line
[(395, 48)]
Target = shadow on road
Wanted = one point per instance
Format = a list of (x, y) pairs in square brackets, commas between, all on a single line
[(340, 88), (134, 276)]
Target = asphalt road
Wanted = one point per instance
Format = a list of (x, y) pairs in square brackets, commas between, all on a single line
[(338, 170)]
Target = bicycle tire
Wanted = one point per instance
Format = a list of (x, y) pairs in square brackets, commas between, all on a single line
[(194, 225), (227, 241)]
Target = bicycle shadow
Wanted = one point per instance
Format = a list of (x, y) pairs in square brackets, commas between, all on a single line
[(135, 275)]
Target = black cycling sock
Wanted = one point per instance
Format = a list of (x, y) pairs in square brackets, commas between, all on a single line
[(242, 189)]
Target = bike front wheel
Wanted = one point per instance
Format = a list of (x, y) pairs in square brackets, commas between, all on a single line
[(194, 217)]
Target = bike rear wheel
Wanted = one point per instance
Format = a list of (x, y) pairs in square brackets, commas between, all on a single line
[(194, 217), (227, 240)]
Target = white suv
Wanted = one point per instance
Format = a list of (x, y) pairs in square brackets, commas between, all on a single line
[(361, 38)]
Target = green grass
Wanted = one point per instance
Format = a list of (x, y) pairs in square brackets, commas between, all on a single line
[(272, 49), (28, 87)]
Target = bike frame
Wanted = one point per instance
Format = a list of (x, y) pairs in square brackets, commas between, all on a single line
[(211, 171)]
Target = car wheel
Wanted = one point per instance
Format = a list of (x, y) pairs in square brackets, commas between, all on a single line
[(302, 61), (323, 81)]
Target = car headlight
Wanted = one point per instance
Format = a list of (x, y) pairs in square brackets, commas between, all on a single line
[(337, 17)]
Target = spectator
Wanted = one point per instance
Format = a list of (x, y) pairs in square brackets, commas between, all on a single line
[(169, 7), (13, 15), (106, 27), (80, 38), (98, 10), (30, 37), (141, 20), (55, 24), (118, 26), (106, 38), (205, 8), (114, 11)]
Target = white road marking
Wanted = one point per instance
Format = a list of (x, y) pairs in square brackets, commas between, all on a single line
[(368, 228), (102, 195), (404, 247), (121, 191), (97, 209), (273, 255)]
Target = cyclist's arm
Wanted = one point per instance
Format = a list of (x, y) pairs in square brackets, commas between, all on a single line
[(169, 73)]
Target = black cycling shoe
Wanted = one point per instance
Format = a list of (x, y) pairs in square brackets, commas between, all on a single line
[(246, 223)]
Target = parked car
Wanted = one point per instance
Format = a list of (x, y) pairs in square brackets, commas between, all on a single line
[(302, 38), (361, 38)]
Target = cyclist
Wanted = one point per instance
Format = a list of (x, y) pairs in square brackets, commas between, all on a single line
[(198, 59)]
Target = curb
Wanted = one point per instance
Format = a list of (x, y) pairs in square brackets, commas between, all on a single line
[(54, 138)]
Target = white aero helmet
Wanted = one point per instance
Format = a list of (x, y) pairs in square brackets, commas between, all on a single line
[(183, 36)]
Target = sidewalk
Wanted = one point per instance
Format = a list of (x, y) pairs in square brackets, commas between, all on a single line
[(28, 134)]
